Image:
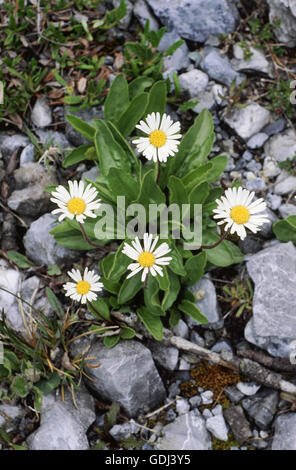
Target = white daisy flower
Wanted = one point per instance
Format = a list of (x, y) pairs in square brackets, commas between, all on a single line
[(147, 259), (78, 202), (162, 140), (83, 288), (238, 211)]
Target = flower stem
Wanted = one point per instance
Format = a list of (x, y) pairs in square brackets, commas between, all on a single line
[(158, 172), (96, 245), (223, 237)]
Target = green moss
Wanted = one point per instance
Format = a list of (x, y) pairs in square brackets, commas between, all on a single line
[(224, 445)]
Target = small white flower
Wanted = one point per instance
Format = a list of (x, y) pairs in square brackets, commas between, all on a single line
[(83, 287), (162, 140), (147, 259), (78, 202), (238, 211)]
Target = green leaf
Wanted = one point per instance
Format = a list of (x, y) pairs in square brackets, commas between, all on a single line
[(199, 194), (53, 270), (210, 203), (106, 264), (119, 265), (163, 281), (70, 238), (215, 193), (110, 153), (102, 186), (110, 286), (195, 267), (178, 193), (174, 318), (123, 143), (224, 254), (99, 306), (117, 100), (73, 99), (59, 78), (139, 85), (197, 176), (111, 341), (129, 289), (46, 386), (81, 126), (20, 386), (54, 302), (176, 84), (174, 47), (157, 98), (190, 309), (20, 260), (127, 332), (77, 155), (218, 166), (193, 141), (150, 192), (123, 184), (133, 114), (172, 292), (111, 416), (176, 264), (152, 322), (188, 105), (285, 230), (151, 297)]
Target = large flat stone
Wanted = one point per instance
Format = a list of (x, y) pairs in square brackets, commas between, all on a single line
[(281, 146), (187, 432), (63, 426), (218, 67), (249, 120), (127, 375), (273, 271), (42, 248), (285, 432), (285, 10), (197, 19)]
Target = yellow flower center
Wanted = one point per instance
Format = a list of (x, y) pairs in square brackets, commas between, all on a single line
[(83, 287), (157, 138), (76, 206), (240, 214), (146, 259)]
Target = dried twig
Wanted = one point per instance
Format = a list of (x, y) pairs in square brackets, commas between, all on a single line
[(162, 408), (246, 367), (278, 364)]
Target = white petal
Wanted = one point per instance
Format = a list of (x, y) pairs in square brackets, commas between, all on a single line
[(131, 274)]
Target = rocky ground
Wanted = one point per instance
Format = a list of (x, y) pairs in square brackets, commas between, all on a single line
[(169, 398)]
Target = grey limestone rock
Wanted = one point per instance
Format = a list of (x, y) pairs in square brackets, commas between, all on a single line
[(273, 271), (127, 374), (218, 67), (187, 432), (63, 426), (249, 120), (197, 19), (262, 407), (285, 10), (42, 248), (285, 432)]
